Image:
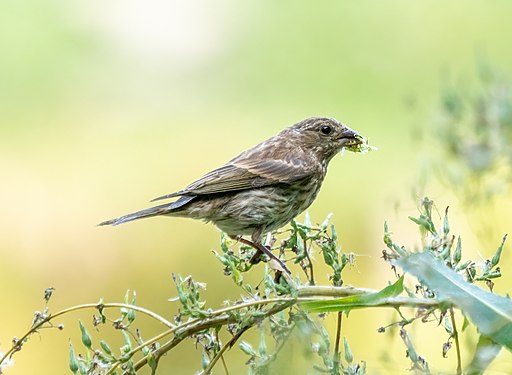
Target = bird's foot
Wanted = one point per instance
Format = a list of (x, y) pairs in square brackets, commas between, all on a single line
[(261, 249)]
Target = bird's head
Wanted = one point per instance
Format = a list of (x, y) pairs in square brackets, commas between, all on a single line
[(323, 136)]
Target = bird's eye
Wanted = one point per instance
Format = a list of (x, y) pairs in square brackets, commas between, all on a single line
[(326, 129)]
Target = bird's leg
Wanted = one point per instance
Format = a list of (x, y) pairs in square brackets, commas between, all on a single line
[(256, 257), (260, 248)]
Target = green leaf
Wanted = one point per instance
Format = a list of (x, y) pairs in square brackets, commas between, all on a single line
[(457, 254), (446, 224), (411, 351), (83, 368), (262, 349), (153, 363), (127, 340), (348, 353), (205, 360), (247, 348), (325, 223), (360, 301), (73, 362), (486, 351), (424, 223), (307, 220), (129, 313), (127, 297), (334, 235), (105, 347), (86, 338), (496, 258), (492, 314)]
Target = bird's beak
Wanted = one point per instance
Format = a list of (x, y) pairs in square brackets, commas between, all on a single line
[(349, 137)]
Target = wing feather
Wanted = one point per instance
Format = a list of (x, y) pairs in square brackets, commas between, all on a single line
[(249, 170)]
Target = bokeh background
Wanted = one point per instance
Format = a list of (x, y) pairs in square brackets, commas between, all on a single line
[(105, 105)]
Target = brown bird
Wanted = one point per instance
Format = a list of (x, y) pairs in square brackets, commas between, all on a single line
[(263, 188)]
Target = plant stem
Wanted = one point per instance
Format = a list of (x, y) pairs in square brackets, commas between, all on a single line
[(337, 341), (229, 344), (456, 339), (221, 316), (50, 317), (217, 318), (311, 275)]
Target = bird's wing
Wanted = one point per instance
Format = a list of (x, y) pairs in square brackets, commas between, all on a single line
[(244, 173)]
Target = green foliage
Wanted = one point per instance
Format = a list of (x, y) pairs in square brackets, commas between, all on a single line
[(474, 134), (358, 301), (485, 352), (282, 306), (442, 276), (492, 314)]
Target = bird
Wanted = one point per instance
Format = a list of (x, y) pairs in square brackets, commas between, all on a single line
[(263, 188)]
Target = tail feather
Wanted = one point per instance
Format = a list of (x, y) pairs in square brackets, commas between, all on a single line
[(153, 211), (162, 209)]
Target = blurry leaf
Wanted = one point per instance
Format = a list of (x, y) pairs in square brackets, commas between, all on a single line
[(325, 223), (82, 367), (262, 349), (86, 338), (247, 348), (127, 341), (73, 362), (424, 223), (446, 224), (486, 351), (496, 258), (105, 347), (465, 324), (457, 254), (131, 313), (127, 297), (411, 351), (152, 361), (354, 302), (464, 265), (492, 314), (205, 360), (307, 220), (334, 234), (348, 353)]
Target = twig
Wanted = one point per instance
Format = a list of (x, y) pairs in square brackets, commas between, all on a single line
[(50, 317), (217, 318), (228, 345), (456, 339), (316, 293), (310, 264), (220, 317), (224, 365), (338, 338)]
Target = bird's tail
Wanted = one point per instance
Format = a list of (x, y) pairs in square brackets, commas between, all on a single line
[(153, 211), (163, 209)]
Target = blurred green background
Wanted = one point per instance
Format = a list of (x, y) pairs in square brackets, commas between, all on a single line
[(105, 105)]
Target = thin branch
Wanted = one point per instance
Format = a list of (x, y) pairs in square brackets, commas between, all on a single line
[(224, 365), (228, 345), (338, 338), (221, 317), (316, 293), (331, 291), (456, 339), (310, 264), (50, 317), (217, 318)]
